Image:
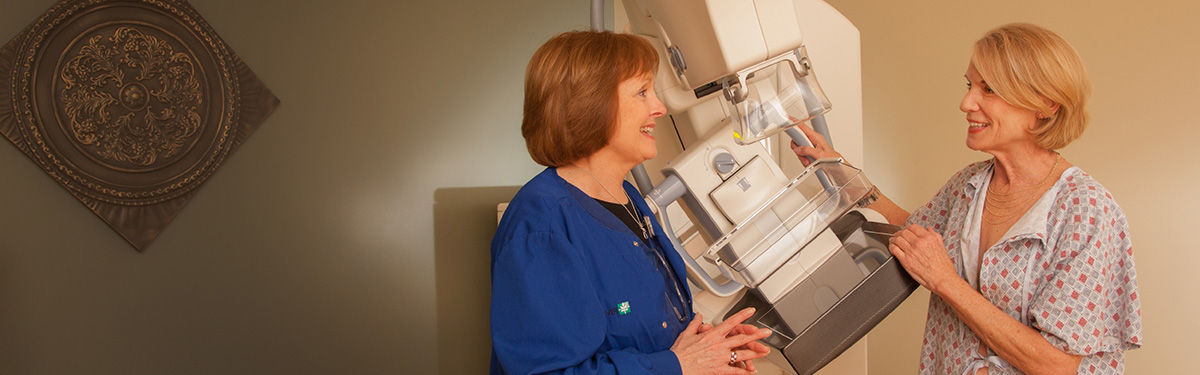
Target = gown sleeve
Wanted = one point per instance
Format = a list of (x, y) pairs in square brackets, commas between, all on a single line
[(1087, 302), (547, 318), (936, 213)]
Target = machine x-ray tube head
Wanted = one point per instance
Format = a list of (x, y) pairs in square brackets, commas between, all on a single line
[(772, 96)]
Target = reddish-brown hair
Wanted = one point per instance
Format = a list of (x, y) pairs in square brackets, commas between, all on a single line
[(571, 92)]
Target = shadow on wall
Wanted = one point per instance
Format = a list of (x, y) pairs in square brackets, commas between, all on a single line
[(464, 220)]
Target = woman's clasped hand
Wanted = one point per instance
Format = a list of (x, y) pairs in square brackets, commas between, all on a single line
[(727, 348)]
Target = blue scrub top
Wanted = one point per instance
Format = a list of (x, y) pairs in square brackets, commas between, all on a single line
[(573, 291)]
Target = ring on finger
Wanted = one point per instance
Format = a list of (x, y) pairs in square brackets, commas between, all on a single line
[(732, 357)]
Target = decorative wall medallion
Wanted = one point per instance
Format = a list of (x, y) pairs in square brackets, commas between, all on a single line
[(129, 104)]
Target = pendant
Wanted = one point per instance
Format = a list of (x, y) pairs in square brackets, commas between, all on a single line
[(647, 225)]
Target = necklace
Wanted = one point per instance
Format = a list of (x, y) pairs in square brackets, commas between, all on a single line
[(641, 224), (669, 276), (663, 266), (1010, 203), (992, 191)]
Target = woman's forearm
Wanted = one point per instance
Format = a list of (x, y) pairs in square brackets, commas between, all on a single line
[(890, 210), (1020, 345)]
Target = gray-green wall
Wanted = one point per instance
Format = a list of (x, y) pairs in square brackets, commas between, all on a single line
[(349, 233)]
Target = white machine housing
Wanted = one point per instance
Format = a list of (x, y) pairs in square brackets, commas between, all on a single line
[(751, 51), (756, 230)]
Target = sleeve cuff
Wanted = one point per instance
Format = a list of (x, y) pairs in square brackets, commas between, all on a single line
[(664, 362), (657, 363)]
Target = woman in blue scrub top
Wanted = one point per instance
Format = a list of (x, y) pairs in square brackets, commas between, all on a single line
[(583, 278)]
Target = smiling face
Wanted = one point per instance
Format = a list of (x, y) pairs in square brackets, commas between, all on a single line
[(637, 107), (994, 125)]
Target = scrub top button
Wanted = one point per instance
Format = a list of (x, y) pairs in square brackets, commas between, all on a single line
[(664, 324)]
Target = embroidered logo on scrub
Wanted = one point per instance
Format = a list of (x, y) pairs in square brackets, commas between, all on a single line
[(621, 309)]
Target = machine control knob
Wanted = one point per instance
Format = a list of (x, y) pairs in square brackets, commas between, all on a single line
[(724, 162), (676, 59)]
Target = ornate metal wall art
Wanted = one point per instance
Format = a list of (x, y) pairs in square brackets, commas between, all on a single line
[(129, 104)]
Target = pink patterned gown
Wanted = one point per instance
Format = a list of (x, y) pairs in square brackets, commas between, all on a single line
[(1065, 269)]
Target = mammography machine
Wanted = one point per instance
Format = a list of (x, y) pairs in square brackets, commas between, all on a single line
[(735, 75)]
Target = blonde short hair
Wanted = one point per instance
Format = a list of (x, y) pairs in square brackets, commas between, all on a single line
[(571, 92), (1027, 64)]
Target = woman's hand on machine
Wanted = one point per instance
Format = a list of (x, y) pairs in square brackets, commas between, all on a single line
[(820, 149), (923, 254), (727, 348)]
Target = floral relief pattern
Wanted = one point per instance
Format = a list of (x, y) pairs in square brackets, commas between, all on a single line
[(131, 98), (130, 105)]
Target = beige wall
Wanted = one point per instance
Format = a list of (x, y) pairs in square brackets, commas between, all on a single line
[(348, 235), (1141, 142)]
